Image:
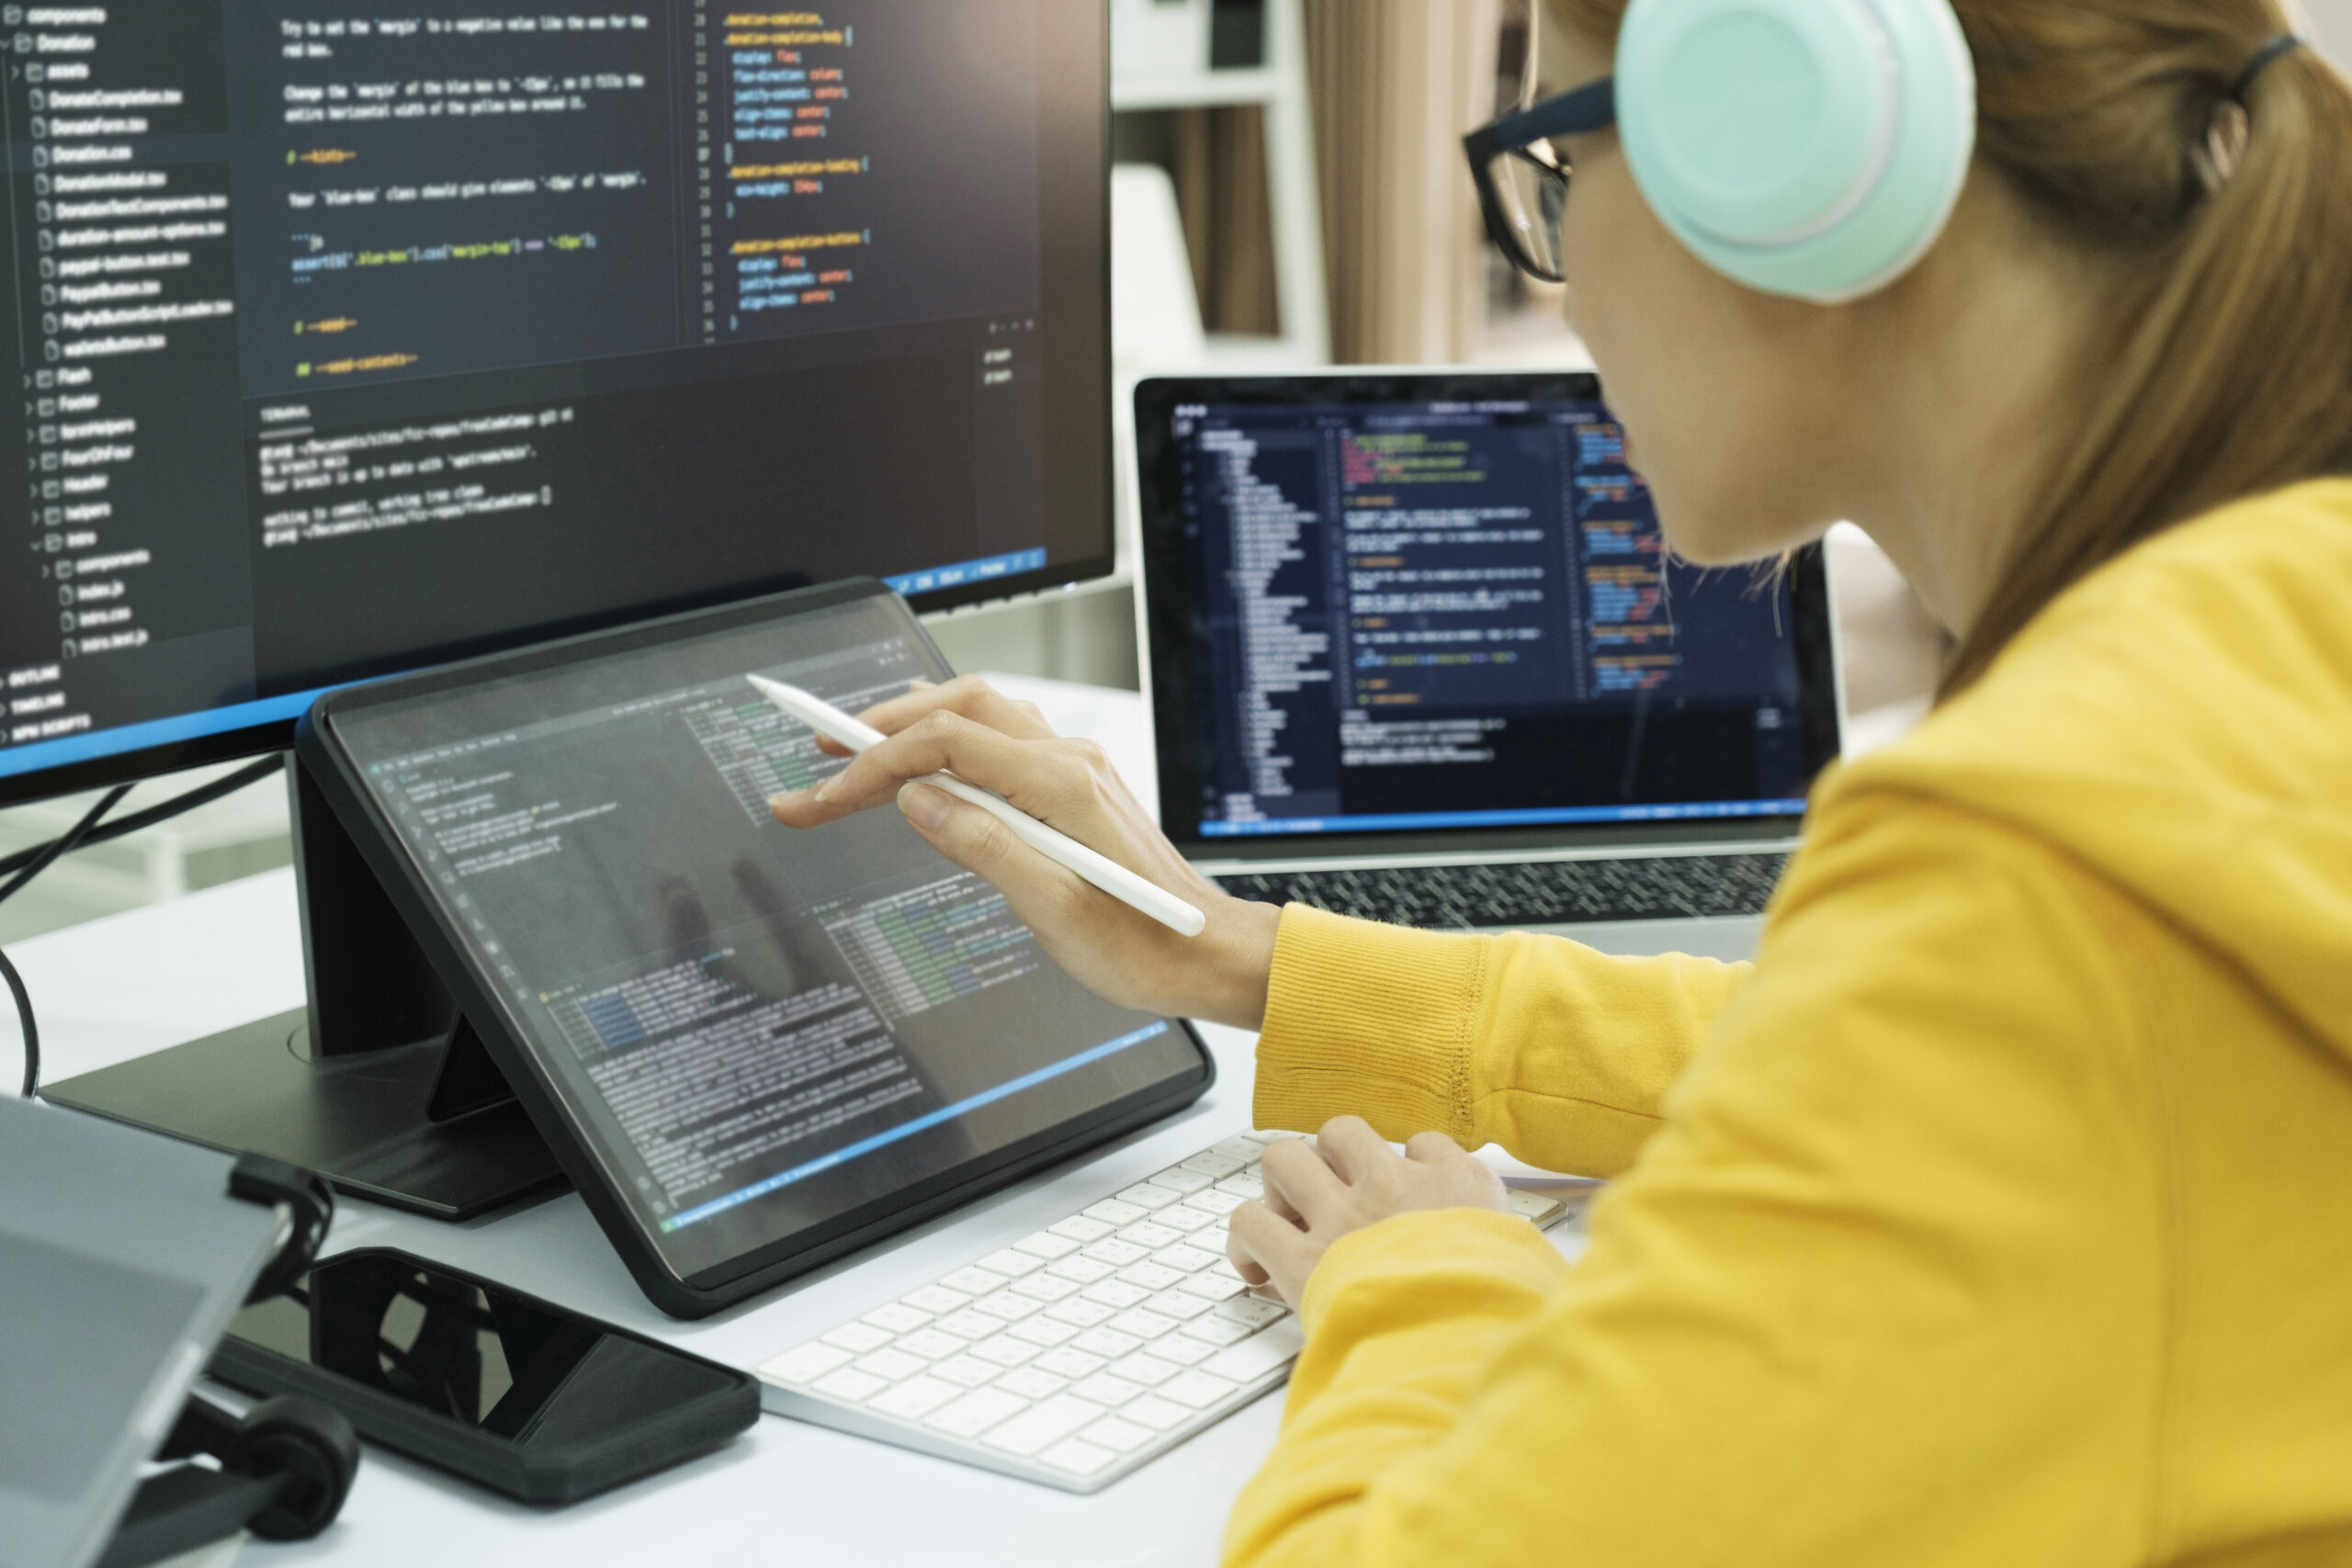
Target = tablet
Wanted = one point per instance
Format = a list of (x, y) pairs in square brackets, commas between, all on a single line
[(753, 1048)]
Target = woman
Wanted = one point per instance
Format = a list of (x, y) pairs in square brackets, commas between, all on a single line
[(1998, 1214)]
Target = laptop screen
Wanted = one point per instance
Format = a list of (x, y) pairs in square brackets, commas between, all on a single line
[(1430, 613)]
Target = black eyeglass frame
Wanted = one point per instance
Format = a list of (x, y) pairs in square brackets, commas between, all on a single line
[(1592, 107)]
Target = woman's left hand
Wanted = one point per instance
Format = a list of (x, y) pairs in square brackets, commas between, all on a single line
[(1345, 1177)]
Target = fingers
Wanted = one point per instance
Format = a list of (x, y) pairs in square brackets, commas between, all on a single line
[(1045, 778), (1433, 1149), (1293, 1171), (981, 844), (1350, 1148), (1263, 1246), (967, 695)]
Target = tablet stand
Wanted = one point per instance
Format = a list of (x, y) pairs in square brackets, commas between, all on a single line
[(380, 1085)]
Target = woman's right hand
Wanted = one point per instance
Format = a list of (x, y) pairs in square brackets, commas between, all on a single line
[(969, 728)]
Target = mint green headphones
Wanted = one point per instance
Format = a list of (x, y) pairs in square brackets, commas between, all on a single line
[(1811, 148)]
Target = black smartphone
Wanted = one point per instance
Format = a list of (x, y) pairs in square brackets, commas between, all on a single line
[(507, 1391)]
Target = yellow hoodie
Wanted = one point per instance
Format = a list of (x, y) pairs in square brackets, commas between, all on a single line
[(2001, 1214)]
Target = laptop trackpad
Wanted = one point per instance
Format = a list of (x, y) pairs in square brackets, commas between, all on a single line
[(1729, 937)]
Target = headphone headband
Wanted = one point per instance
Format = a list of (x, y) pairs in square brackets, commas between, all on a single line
[(2264, 58)]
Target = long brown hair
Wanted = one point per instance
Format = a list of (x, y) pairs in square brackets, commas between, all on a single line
[(2225, 369)]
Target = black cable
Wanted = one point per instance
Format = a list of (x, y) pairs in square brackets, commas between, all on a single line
[(41, 862), (204, 795), (25, 1017)]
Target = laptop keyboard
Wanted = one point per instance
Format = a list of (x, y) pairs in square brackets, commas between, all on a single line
[(1533, 893)]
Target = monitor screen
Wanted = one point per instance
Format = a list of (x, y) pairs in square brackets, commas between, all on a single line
[(352, 342), (1453, 613), (757, 1030)]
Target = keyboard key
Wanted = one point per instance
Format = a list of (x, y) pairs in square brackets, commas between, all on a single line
[(1111, 1212), (1078, 1458), (1147, 1369), (1010, 1305), (1251, 1311), (1142, 1324), (1185, 1260), (1216, 1202), (1212, 1287), (1156, 1412), (1196, 1389), (1078, 1313), (805, 1363), (930, 1344), (1216, 1330), (896, 1318), (1276, 1345), (1117, 1434), (1215, 1164), (849, 1386), (1146, 1197), (1178, 1179), (1147, 1276), (1151, 1237), (891, 1365), (1185, 1218), (1107, 1343), (1070, 1362), (976, 1411), (1012, 1263), (1178, 1305), (936, 1299), (1242, 1147), (1045, 1245), (915, 1398), (1003, 1350), (969, 1325), (965, 1371), (973, 1281), (1046, 1288), (859, 1337), (1116, 1253), (1042, 1331), (1031, 1383), (1116, 1294), (1047, 1425), (1084, 1270), (1081, 1229), (1107, 1391), (1245, 1185), (1183, 1349)]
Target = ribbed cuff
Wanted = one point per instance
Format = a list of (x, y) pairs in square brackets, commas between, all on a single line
[(1369, 1021)]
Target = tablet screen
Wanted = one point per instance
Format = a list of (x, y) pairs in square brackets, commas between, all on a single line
[(756, 1030)]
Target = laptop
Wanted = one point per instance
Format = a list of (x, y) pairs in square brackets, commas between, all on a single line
[(1418, 653)]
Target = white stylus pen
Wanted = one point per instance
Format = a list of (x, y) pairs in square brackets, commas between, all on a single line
[(1102, 872)]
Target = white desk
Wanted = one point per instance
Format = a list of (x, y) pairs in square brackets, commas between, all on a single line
[(784, 1494)]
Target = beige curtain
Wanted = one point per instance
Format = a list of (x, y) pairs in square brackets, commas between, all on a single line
[(1395, 84), (1218, 163)]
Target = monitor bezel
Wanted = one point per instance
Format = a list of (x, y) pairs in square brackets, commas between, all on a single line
[(1074, 39), (1166, 612), (484, 1004)]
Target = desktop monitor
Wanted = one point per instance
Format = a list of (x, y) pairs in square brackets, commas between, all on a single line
[(350, 344), (353, 344)]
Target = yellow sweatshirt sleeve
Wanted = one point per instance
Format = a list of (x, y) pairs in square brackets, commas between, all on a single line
[(1803, 1334), (1557, 1052)]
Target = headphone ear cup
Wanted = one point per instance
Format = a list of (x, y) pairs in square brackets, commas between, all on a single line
[(1808, 148), (312, 1447)]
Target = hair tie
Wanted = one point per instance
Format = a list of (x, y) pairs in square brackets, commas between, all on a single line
[(2284, 44)]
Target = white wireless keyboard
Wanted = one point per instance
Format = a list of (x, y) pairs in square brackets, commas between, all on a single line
[(1079, 1353)]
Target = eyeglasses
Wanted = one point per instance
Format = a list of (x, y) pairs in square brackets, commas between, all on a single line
[(1523, 180)]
